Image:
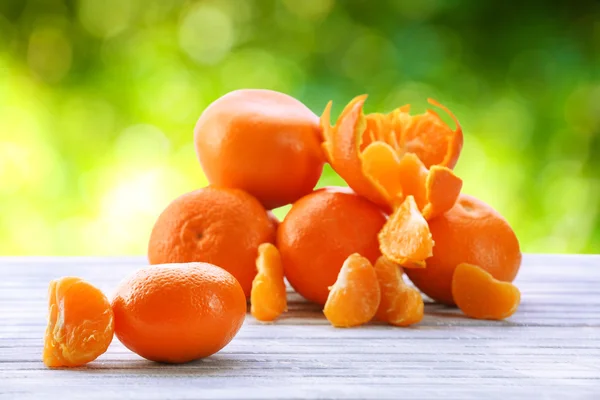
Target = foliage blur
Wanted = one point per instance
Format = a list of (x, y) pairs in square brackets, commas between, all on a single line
[(98, 100)]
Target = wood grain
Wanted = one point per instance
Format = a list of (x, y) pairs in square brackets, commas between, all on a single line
[(549, 349)]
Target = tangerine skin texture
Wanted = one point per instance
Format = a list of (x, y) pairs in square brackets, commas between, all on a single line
[(80, 323), (470, 232), (214, 225), (264, 142), (319, 233), (175, 313)]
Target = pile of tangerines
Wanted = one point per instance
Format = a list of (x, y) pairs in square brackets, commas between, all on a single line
[(346, 249)]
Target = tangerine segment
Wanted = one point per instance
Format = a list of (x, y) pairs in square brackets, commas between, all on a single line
[(400, 305), (349, 145), (381, 165), (435, 191), (442, 189), (268, 297), (480, 296), (413, 177), (405, 237), (80, 323), (355, 296)]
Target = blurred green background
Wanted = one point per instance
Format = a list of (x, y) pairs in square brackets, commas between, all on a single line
[(98, 100)]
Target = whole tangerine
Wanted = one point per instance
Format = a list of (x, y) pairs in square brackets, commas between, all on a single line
[(216, 225), (264, 142), (470, 232), (319, 233), (176, 313)]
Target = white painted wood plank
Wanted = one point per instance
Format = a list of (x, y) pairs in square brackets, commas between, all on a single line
[(550, 347)]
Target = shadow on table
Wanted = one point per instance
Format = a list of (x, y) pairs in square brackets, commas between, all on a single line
[(218, 364)]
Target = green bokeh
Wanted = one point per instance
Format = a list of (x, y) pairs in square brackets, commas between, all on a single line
[(98, 100)]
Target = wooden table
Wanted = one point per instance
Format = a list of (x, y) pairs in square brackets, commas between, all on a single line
[(549, 349)]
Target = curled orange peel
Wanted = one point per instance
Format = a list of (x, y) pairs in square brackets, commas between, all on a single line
[(387, 157)]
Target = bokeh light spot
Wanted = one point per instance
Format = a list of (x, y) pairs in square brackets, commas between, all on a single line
[(206, 33), (310, 9), (105, 18), (255, 68), (49, 54)]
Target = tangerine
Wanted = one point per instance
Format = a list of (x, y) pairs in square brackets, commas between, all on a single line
[(175, 313), (471, 232), (264, 142), (216, 225), (320, 231), (386, 157)]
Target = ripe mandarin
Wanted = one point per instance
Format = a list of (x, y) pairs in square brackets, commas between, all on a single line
[(215, 225), (176, 313), (264, 142), (320, 231), (471, 232)]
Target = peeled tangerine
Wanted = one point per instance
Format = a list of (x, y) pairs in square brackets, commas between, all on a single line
[(480, 296), (268, 297), (80, 323), (387, 157), (400, 305), (355, 296)]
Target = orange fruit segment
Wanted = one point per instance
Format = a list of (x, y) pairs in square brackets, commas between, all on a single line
[(80, 323), (268, 297), (354, 297), (382, 165), (401, 305), (480, 296), (405, 238), (442, 189), (386, 157)]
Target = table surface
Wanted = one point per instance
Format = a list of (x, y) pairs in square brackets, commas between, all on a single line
[(549, 349)]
